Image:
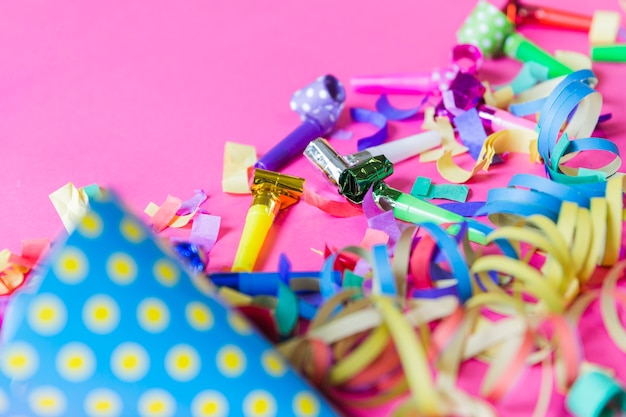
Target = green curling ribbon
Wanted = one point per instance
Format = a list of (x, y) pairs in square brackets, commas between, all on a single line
[(595, 394)]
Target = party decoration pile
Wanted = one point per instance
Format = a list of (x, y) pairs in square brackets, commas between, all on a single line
[(434, 313)]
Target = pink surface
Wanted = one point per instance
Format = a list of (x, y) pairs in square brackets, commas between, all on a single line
[(141, 97)]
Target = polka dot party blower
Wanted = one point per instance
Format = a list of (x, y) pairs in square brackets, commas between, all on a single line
[(490, 30), (114, 326), (319, 105)]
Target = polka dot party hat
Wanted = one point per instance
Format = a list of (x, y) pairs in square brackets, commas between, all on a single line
[(114, 326), (487, 28)]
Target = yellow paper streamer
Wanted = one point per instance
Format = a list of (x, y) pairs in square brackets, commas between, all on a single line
[(448, 141), (509, 140), (237, 159)]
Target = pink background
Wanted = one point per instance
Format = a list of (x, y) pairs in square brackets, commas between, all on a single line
[(141, 97)]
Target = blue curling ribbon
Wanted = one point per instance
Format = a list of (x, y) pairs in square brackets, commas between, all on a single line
[(328, 287), (537, 195), (468, 209), (382, 270), (559, 107), (528, 107), (372, 117), (449, 247), (544, 185), (384, 107)]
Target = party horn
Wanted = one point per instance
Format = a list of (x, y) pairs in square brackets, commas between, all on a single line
[(491, 31), (395, 151), (271, 192), (415, 210), (530, 14), (352, 184), (355, 181), (609, 53), (465, 58), (319, 105)]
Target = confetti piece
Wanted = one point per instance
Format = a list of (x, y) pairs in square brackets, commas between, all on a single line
[(471, 131), (71, 204), (448, 140), (205, 230), (237, 159), (605, 25), (192, 204), (423, 187), (166, 213), (332, 207)]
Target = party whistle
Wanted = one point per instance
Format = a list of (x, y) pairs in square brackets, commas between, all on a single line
[(271, 192), (530, 14), (495, 119), (608, 53), (493, 33), (319, 105), (395, 151), (415, 210), (465, 58), (354, 182)]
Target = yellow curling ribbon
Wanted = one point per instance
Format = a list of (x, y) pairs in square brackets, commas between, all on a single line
[(509, 140), (364, 354), (413, 357), (611, 319), (533, 281)]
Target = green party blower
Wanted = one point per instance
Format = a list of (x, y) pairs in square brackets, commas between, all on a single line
[(519, 47), (493, 33), (609, 53), (354, 182)]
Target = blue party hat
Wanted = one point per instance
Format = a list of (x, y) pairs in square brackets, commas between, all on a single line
[(114, 326)]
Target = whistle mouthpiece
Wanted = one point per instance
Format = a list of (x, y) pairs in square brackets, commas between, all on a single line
[(519, 47), (399, 150), (496, 119), (394, 83), (326, 159), (608, 53), (271, 192), (319, 105)]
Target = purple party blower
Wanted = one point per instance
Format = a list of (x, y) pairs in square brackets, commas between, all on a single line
[(319, 105)]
